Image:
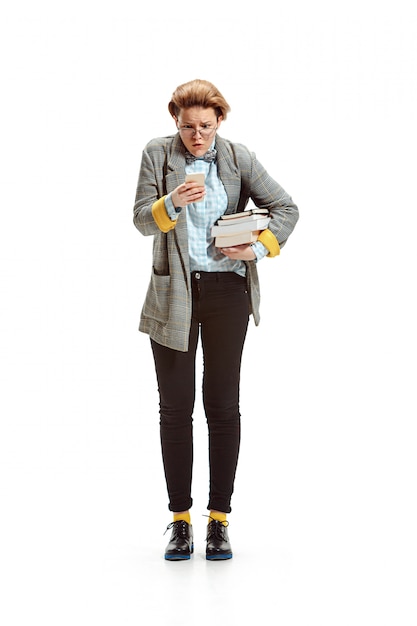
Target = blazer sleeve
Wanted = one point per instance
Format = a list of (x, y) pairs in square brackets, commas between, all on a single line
[(269, 194), (266, 193), (149, 213)]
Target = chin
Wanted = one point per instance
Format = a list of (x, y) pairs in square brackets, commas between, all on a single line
[(198, 150)]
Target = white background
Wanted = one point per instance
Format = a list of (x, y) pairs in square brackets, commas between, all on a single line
[(324, 511)]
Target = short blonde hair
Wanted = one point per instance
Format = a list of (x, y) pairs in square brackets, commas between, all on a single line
[(198, 93)]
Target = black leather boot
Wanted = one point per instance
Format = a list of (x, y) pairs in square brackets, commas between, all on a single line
[(218, 544), (181, 544)]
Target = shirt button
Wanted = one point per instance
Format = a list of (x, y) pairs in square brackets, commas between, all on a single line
[(197, 275)]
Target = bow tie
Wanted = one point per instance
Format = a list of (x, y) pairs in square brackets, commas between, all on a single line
[(209, 157)]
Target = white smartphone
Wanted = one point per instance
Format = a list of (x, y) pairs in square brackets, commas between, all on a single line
[(195, 178), (198, 177)]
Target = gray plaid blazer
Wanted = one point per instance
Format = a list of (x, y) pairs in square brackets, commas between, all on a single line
[(166, 313)]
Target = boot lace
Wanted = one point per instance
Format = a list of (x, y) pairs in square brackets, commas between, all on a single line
[(179, 529), (215, 529)]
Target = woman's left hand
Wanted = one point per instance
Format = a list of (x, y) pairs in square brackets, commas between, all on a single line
[(243, 252)]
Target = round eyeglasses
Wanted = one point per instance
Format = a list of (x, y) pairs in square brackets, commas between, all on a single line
[(205, 132)]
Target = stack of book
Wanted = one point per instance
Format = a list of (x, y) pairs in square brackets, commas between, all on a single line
[(235, 229)]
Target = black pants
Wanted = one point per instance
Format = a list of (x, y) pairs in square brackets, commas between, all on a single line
[(220, 313)]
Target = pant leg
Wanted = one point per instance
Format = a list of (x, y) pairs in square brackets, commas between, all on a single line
[(224, 315), (175, 373)]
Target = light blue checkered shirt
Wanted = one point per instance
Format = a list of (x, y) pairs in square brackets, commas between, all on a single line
[(201, 216)]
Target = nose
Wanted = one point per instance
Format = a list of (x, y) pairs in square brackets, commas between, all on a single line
[(197, 130)]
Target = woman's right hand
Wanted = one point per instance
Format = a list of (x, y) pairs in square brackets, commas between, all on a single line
[(187, 193)]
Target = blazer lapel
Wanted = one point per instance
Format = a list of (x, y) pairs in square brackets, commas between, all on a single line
[(175, 174), (229, 174)]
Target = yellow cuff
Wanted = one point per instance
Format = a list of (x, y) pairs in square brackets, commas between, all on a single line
[(269, 240), (161, 217)]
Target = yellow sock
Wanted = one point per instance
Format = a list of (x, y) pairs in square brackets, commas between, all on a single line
[(220, 517), (185, 516)]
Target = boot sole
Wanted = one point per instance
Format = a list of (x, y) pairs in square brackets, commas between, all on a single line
[(218, 557)]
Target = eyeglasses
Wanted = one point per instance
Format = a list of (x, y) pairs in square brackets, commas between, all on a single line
[(205, 132)]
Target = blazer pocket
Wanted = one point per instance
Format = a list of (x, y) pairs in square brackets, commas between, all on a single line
[(157, 298), (160, 272)]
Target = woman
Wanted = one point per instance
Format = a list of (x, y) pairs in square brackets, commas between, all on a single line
[(197, 290)]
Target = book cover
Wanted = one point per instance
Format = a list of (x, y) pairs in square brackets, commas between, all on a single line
[(236, 240), (244, 214), (232, 227)]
